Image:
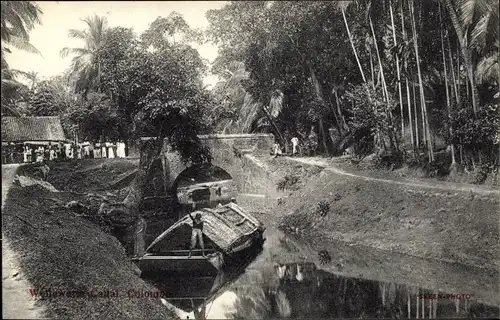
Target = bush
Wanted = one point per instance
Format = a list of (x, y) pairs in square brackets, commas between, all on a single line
[(289, 182), (391, 161), (323, 208), (324, 257)]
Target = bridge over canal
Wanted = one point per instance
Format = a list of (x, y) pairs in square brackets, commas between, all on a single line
[(228, 153)]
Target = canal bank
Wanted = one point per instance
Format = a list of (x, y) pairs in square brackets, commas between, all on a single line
[(430, 220), (59, 250)]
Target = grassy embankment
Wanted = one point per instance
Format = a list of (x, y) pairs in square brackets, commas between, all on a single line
[(60, 251), (431, 223)]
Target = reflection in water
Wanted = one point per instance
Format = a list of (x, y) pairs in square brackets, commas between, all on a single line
[(258, 288), (317, 294)]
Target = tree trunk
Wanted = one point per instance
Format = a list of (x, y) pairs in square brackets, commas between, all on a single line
[(465, 53), (421, 85), (353, 47), (319, 95), (409, 114), (98, 75), (398, 73), (371, 68), (410, 120), (453, 161), (342, 118), (415, 110), (273, 123), (323, 135), (452, 71), (150, 150), (392, 138)]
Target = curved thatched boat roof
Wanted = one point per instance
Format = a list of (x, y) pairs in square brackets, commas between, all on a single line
[(227, 227)]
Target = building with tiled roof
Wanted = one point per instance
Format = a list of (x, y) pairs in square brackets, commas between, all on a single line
[(32, 130)]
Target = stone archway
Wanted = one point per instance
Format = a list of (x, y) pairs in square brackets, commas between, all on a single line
[(227, 153), (174, 168)]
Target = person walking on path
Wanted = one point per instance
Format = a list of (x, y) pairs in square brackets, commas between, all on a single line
[(295, 143), (197, 234)]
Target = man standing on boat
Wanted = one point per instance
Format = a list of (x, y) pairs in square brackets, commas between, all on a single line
[(197, 234)]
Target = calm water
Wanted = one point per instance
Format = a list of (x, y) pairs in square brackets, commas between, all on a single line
[(281, 281)]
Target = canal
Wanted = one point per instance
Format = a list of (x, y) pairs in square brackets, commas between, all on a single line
[(284, 280), (289, 279)]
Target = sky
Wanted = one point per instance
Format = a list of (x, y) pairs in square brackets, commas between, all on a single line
[(58, 17)]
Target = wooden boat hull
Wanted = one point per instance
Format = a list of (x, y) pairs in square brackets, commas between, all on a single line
[(213, 264), (181, 264)]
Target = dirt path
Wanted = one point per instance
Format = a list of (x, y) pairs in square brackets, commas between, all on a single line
[(429, 185), (17, 303)]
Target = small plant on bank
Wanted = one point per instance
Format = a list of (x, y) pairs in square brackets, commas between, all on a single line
[(289, 182), (324, 257), (323, 208)]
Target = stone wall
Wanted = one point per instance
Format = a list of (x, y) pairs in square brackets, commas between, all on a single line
[(227, 153)]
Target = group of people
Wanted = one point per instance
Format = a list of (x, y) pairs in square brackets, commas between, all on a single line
[(277, 148), (17, 153)]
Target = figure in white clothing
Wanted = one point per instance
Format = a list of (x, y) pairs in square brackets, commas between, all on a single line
[(111, 154), (300, 275), (104, 153), (276, 149), (295, 143), (67, 149), (25, 154), (97, 150), (86, 149), (120, 149), (52, 154), (39, 156), (281, 271)]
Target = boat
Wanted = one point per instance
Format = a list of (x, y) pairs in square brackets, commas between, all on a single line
[(207, 194), (229, 233)]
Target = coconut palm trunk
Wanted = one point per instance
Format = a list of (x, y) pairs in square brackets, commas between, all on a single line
[(410, 122), (453, 161), (465, 53), (397, 71), (352, 45), (415, 111), (421, 87), (405, 62), (392, 137), (452, 71)]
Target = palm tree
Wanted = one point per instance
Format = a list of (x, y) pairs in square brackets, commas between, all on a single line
[(249, 112), (426, 131), (18, 18), (32, 76), (86, 63), (484, 37), (465, 49)]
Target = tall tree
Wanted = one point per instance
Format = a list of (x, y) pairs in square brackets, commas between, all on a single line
[(17, 18), (426, 129), (86, 64), (159, 90), (465, 50)]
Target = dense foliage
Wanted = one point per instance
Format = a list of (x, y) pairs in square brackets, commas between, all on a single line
[(382, 76)]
